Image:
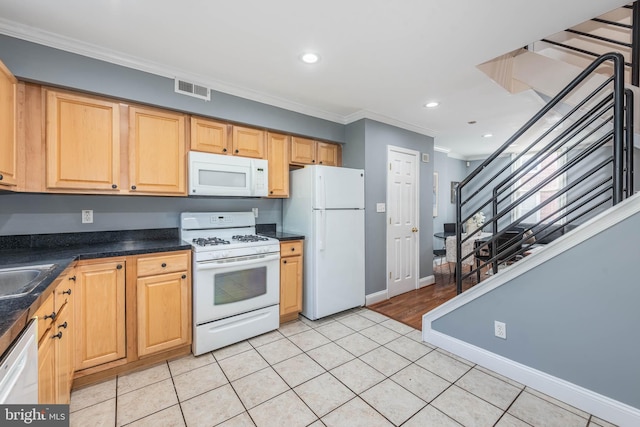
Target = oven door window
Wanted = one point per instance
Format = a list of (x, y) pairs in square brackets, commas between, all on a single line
[(241, 285)]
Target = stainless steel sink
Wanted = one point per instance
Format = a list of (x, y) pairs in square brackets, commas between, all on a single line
[(19, 281)]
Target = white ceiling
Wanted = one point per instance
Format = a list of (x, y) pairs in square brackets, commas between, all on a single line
[(381, 59)]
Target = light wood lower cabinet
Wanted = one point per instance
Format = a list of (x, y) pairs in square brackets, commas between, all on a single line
[(56, 342), (291, 264), (133, 316), (100, 312), (46, 354), (164, 303)]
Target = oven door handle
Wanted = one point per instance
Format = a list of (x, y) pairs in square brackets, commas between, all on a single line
[(253, 259)]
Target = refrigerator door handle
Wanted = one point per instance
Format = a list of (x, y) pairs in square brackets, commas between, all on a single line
[(322, 194), (322, 229)]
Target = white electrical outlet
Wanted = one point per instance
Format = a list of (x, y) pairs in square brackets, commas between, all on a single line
[(500, 329), (87, 216), (255, 212)]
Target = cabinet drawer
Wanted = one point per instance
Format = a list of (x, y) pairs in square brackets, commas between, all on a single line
[(64, 290), (290, 248), (46, 309), (150, 266)]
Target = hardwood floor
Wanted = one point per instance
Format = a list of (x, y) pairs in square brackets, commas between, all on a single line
[(409, 307)]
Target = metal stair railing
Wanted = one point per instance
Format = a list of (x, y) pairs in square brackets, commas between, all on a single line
[(581, 162)]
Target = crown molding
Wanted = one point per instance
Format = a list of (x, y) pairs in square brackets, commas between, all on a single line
[(366, 114)]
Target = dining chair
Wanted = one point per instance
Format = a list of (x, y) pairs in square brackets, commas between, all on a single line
[(441, 254), (449, 227)]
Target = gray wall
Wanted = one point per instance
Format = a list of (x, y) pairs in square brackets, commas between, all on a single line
[(575, 317), (25, 213), (34, 62), (373, 138), (449, 169)]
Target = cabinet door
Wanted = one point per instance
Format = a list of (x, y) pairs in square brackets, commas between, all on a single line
[(47, 369), (278, 157), (303, 151), (65, 344), (8, 117), (164, 315), (63, 332), (290, 286), (209, 136), (248, 142), (99, 313), (83, 143), (327, 154), (157, 159)]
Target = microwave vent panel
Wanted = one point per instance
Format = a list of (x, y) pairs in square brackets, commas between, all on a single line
[(192, 89)]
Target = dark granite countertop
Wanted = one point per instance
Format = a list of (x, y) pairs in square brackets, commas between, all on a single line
[(63, 250), (269, 230)]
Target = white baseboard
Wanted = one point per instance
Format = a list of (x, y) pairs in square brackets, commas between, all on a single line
[(582, 398), (375, 297), (426, 281)]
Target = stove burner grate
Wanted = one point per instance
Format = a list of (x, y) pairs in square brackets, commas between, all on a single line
[(210, 241), (248, 238)]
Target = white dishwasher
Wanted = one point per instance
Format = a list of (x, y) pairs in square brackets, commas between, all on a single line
[(19, 369)]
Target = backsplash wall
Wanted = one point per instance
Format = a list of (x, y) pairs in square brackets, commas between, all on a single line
[(25, 213)]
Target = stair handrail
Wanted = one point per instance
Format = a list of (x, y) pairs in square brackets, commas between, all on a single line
[(621, 181)]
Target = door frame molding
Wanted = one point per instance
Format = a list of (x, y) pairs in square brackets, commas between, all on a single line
[(415, 153)]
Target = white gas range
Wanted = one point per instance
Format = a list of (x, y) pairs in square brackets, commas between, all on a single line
[(236, 278)]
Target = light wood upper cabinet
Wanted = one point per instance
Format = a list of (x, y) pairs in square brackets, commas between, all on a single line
[(278, 157), (209, 136), (157, 151), (327, 154), (82, 142), (100, 313), (248, 142), (164, 302), (8, 135), (306, 151), (303, 151), (291, 263)]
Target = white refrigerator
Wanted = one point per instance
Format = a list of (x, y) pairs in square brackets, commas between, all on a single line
[(326, 205)]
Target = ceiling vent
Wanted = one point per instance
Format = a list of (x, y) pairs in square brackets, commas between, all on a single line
[(192, 89)]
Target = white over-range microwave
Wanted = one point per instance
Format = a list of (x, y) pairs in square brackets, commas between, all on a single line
[(220, 175)]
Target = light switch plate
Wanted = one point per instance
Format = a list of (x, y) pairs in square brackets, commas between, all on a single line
[(381, 207)]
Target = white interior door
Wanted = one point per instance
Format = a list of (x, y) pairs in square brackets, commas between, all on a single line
[(402, 220)]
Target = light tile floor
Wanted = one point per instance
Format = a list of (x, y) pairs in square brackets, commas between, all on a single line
[(356, 368)]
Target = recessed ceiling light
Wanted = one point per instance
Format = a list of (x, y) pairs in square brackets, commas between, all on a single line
[(310, 58), (487, 135), (432, 104)]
